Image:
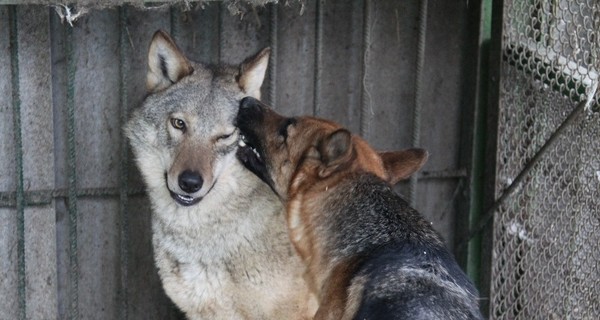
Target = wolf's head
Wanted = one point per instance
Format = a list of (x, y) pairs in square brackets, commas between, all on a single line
[(184, 134)]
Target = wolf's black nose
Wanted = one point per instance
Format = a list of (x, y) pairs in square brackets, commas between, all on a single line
[(190, 181)]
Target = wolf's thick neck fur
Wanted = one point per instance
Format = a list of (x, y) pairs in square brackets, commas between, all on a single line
[(217, 253), (204, 224)]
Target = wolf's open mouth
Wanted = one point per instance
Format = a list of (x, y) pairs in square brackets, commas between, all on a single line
[(184, 200)]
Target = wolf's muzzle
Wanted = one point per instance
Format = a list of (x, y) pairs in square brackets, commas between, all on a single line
[(189, 182)]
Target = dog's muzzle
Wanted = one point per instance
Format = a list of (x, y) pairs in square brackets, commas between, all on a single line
[(243, 144)]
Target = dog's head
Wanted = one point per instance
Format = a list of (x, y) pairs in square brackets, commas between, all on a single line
[(285, 152), (184, 135)]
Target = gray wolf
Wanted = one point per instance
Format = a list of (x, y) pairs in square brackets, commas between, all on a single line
[(368, 255), (219, 234)]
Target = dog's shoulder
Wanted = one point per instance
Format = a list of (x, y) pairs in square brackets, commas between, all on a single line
[(365, 211)]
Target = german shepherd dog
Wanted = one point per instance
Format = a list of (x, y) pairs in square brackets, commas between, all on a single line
[(218, 232), (368, 255)]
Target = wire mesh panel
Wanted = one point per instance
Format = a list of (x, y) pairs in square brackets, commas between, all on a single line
[(546, 256)]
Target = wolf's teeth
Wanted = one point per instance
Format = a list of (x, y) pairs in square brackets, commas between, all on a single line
[(256, 153), (185, 198), (241, 143)]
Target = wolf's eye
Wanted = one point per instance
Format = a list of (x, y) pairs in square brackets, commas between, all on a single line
[(178, 124), (226, 136)]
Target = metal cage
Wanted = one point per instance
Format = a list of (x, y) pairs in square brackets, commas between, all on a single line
[(546, 226)]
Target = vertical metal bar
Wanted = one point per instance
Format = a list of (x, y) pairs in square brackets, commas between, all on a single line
[(72, 175), (174, 22), (20, 194), (273, 58), (365, 105), (416, 134), (221, 10), (123, 185), (489, 181), (318, 56), (478, 157)]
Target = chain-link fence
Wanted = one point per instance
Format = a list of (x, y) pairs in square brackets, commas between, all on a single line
[(546, 255)]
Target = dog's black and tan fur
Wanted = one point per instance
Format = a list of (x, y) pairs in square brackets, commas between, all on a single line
[(368, 254)]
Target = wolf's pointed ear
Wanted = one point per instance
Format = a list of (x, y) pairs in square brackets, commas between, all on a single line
[(336, 150), (252, 73), (166, 63), (400, 165)]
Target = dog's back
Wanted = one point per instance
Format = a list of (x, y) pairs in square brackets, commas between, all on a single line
[(403, 270)]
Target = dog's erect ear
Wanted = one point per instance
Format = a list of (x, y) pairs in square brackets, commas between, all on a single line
[(252, 73), (400, 165), (336, 150), (166, 63)]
